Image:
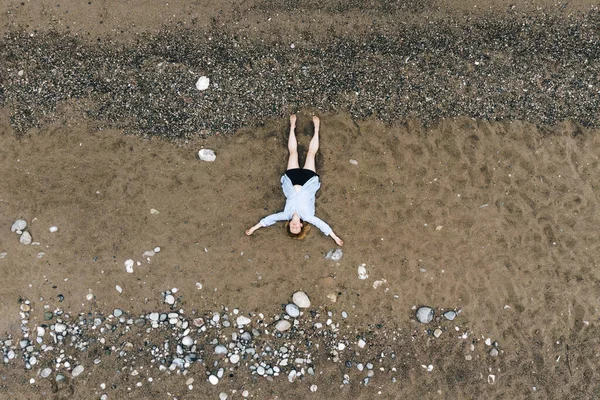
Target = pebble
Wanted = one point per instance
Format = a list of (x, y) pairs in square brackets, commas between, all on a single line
[(202, 83), (450, 315), (187, 341), (154, 211), (18, 225), (437, 333), (260, 370), (242, 320), (207, 155), (301, 299), (60, 328), (283, 325), (46, 372), (77, 371), (169, 299), (292, 310), (234, 359), (213, 379), (344, 314), (494, 352), (129, 266), (117, 312), (53, 229), (313, 388), (119, 289), (361, 343), (334, 255), (332, 297), (25, 238), (220, 349), (154, 316), (48, 315), (223, 396), (362, 272), (425, 314), (353, 161)]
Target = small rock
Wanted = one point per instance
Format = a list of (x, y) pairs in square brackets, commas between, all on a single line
[(53, 229), (332, 296), (60, 328), (301, 299), (77, 371), (494, 352), (361, 343), (353, 161), (46, 372), (213, 379), (450, 315), (207, 155), (202, 83), (313, 388), (154, 211), (169, 299), (234, 359), (48, 315), (242, 320), (292, 376), (437, 333), (129, 266), (220, 350), (362, 272), (25, 238), (283, 325), (491, 379), (18, 225), (292, 310), (334, 255), (119, 289), (223, 396), (187, 341), (117, 312), (425, 315)]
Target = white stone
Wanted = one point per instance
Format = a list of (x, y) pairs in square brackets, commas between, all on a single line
[(425, 315), (157, 249), (77, 371), (334, 255), (243, 320), (292, 376), (362, 272), (301, 299), (46, 372), (154, 316), (4, 254), (148, 253), (213, 379), (187, 341), (129, 266), (119, 289), (341, 346), (25, 238), (53, 229), (283, 325), (198, 285), (169, 299), (313, 388), (361, 343), (18, 225), (234, 359), (353, 161), (488, 342), (220, 350), (60, 328), (202, 83), (223, 396), (292, 310), (207, 155), (41, 331)]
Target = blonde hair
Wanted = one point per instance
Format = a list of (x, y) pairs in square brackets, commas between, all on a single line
[(300, 235)]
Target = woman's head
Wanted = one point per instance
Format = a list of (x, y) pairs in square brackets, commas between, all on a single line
[(297, 229)]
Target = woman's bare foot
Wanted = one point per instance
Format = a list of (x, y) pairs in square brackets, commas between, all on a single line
[(293, 121), (316, 122)]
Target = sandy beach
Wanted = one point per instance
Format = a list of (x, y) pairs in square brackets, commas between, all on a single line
[(481, 200)]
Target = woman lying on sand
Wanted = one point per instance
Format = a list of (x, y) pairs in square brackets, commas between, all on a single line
[(299, 186)]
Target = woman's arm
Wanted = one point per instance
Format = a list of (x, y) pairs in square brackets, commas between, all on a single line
[(268, 221), (254, 228), (339, 241)]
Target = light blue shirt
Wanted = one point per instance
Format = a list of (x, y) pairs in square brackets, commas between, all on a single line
[(301, 202)]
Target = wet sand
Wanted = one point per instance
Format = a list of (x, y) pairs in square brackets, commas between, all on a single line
[(495, 219)]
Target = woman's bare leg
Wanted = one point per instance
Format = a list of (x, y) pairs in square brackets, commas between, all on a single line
[(313, 147), (293, 145)]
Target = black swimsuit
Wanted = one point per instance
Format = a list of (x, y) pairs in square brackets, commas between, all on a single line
[(299, 176)]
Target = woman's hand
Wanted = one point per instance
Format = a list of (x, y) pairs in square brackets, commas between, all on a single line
[(339, 241), (251, 230)]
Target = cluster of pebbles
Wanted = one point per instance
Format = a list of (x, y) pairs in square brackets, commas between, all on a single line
[(289, 344), (484, 67)]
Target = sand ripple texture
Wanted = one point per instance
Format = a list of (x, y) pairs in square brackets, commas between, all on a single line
[(540, 68)]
